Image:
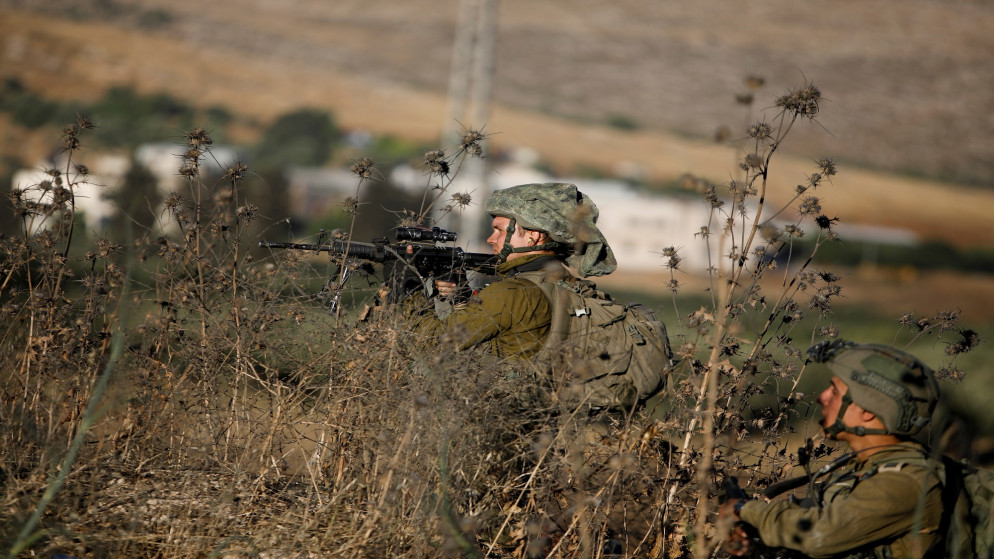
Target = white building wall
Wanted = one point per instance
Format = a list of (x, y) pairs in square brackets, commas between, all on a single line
[(91, 192)]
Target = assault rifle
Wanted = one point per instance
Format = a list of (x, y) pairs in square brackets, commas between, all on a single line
[(415, 259)]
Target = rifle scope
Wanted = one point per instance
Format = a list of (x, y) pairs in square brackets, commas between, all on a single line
[(423, 234)]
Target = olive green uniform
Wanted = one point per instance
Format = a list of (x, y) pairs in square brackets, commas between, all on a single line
[(889, 505), (508, 318)]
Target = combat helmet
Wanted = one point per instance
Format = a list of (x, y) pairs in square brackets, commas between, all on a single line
[(567, 216), (894, 385)]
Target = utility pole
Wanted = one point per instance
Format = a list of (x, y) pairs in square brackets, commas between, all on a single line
[(468, 105)]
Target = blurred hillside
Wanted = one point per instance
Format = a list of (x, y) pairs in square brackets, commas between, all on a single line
[(587, 84)]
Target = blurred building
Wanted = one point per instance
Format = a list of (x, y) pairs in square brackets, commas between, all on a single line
[(92, 190)]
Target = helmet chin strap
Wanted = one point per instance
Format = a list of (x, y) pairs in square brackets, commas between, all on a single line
[(838, 426), (507, 248)]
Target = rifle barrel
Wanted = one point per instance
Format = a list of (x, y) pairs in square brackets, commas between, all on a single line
[(379, 252)]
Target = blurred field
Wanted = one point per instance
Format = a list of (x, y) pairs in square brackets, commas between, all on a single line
[(896, 99)]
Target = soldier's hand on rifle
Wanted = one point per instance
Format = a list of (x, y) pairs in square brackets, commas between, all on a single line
[(446, 288), (738, 541)]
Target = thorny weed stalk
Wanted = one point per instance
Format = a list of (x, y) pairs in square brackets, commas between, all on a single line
[(442, 172), (242, 419)]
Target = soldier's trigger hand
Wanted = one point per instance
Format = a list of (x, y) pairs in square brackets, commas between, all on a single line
[(446, 288), (738, 542)]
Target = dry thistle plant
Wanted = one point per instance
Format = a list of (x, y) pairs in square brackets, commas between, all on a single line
[(726, 362), (442, 171)]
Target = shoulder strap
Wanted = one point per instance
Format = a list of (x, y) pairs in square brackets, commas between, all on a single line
[(951, 477), (952, 488), (559, 299)]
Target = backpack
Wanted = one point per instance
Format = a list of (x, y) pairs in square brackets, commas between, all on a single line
[(967, 510), (620, 354), (968, 501)]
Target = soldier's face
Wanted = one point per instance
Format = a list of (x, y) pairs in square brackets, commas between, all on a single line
[(520, 238), (830, 401)]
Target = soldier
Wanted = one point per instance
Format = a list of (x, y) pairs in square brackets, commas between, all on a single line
[(887, 502), (535, 227)]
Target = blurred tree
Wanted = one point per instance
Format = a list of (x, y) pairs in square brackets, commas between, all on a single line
[(8, 222), (267, 190), (126, 119), (138, 202), (302, 137)]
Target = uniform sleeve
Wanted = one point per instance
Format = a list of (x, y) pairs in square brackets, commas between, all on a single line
[(506, 305), (883, 507)]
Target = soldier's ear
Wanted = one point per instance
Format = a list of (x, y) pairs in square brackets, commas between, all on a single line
[(867, 416)]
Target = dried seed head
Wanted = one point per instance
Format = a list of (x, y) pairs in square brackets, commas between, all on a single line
[(828, 277), (825, 222), (950, 373), (82, 169), (827, 166), (672, 258), (105, 248), (753, 161), (810, 205), (248, 212), (351, 205), (946, 319), (462, 199), (61, 195), (711, 195), (803, 102), (173, 200), (236, 171), (84, 123), (188, 170), (760, 131), (198, 137), (362, 167), (471, 143), (436, 163), (830, 332)]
